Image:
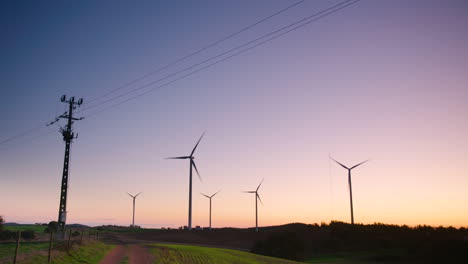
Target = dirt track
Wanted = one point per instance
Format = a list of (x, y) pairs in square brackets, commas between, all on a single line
[(136, 254)]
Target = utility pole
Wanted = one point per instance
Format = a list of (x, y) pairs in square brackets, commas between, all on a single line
[(68, 136)]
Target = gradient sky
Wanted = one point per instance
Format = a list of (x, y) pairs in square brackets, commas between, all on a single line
[(385, 80)]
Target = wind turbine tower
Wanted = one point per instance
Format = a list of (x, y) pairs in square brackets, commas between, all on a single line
[(257, 198), (209, 197), (350, 186), (134, 197), (192, 165)]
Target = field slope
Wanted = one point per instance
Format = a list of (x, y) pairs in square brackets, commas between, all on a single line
[(90, 253), (182, 254)]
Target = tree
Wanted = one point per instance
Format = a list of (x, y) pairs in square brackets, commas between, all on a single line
[(288, 245), (1, 223), (52, 227)]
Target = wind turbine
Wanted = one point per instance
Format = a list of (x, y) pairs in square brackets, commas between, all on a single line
[(257, 198), (134, 197), (209, 197), (349, 183), (192, 164)]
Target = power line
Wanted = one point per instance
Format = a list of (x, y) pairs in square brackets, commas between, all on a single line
[(342, 4), (22, 134), (296, 25), (196, 52), (3, 148), (304, 21), (29, 131)]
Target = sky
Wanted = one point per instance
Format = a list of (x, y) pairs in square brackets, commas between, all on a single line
[(381, 80)]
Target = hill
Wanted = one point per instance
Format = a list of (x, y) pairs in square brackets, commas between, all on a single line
[(169, 254), (337, 240)]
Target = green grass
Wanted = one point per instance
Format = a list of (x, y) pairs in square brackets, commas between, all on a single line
[(91, 253), (8, 249), (35, 228), (181, 254), (326, 259)]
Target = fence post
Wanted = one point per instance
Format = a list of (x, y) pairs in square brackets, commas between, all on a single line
[(49, 258), (17, 246), (69, 238), (89, 238), (97, 235), (81, 240)]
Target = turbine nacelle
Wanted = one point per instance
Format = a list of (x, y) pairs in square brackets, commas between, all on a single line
[(209, 197), (134, 196), (256, 192)]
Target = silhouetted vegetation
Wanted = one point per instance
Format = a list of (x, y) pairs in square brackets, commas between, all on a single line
[(28, 235), (1, 223), (376, 242), (7, 235), (287, 245), (52, 227), (76, 233), (12, 235)]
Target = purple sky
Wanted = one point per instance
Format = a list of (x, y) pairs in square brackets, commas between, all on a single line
[(380, 79)]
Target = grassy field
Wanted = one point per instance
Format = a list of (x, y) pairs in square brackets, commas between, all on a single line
[(35, 228), (91, 253), (8, 249), (181, 254)]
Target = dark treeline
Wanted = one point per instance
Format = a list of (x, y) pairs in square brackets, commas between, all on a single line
[(11, 235), (375, 242)]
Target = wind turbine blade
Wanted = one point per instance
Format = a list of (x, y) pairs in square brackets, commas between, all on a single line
[(359, 164), (194, 148), (195, 167), (258, 196), (249, 191), (130, 195), (138, 194), (205, 195), (215, 193), (339, 163), (183, 157), (260, 184)]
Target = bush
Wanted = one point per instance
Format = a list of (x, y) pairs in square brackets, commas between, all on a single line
[(52, 227), (76, 233), (12, 235), (287, 245), (28, 234), (1, 223), (7, 235)]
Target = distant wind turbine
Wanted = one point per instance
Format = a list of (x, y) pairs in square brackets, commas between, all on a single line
[(349, 183), (209, 197), (134, 197), (257, 198), (192, 164)]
